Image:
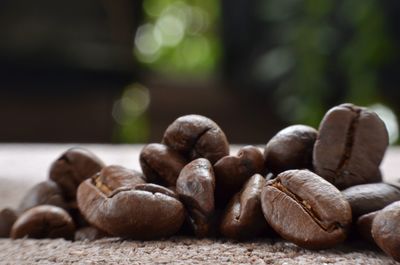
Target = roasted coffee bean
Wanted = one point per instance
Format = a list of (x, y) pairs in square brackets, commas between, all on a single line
[(161, 164), (366, 198), (306, 209), (141, 211), (73, 167), (232, 172), (7, 219), (196, 186), (153, 188), (44, 221), (46, 192), (364, 226), (113, 177), (290, 148), (89, 233), (107, 180), (350, 146), (386, 230), (196, 136), (243, 217)]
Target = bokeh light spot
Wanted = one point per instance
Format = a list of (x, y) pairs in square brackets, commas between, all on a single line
[(134, 102), (274, 64), (198, 21), (148, 42), (172, 30)]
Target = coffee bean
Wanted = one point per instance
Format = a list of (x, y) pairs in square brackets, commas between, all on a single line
[(195, 186), (49, 193), (306, 209), (161, 164), (44, 221), (196, 136), (46, 192), (73, 167), (290, 148), (153, 188), (350, 146), (243, 217), (386, 230), (113, 177), (364, 226), (366, 198), (232, 172), (7, 219), (141, 211), (89, 233)]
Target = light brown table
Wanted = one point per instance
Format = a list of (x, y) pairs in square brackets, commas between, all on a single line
[(23, 165)]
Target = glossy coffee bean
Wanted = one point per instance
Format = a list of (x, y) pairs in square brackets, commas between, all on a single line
[(113, 177), (306, 209), (386, 230), (49, 193), (243, 218), (7, 219), (366, 198), (89, 233), (141, 211), (290, 148), (153, 188), (196, 186), (46, 192), (44, 221), (350, 146), (197, 136), (161, 164), (364, 226), (232, 172), (73, 167)]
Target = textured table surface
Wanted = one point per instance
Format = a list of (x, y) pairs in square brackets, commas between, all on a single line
[(23, 165)]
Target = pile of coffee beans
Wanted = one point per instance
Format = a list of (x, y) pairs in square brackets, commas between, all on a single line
[(315, 188)]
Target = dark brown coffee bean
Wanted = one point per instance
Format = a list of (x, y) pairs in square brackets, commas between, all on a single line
[(113, 177), (196, 136), (350, 146), (290, 148), (386, 230), (142, 211), (366, 198), (195, 186), (364, 226), (73, 167), (243, 217), (46, 192), (161, 164), (7, 219), (232, 172), (44, 221), (306, 209), (49, 193), (154, 188), (89, 233)]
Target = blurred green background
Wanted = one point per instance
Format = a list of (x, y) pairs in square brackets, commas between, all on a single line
[(121, 71)]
